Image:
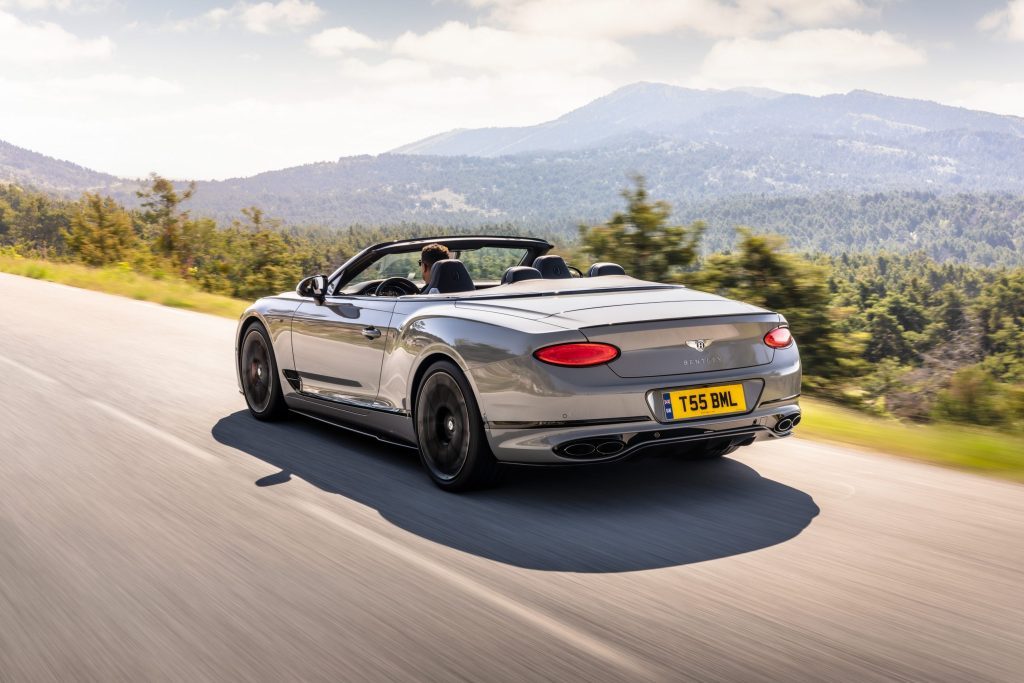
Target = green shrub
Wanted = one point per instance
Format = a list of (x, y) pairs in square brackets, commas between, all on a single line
[(972, 397)]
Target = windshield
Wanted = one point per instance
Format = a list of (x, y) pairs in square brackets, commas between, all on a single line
[(486, 263)]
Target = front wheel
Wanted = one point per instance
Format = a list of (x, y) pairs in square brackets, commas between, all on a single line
[(450, 431), (258, 371)]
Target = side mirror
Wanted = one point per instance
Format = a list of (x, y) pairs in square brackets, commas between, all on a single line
[(314, 286)]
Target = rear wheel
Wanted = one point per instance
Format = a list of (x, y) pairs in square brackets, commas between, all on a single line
[(450, 431), (258, 371)]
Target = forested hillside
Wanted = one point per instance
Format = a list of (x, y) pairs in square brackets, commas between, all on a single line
[(54, 175), (563, 189), (984, 229)]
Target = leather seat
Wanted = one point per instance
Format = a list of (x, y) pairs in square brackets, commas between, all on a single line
[(552, 267), (599, 269), (449, 277), (518, 273)]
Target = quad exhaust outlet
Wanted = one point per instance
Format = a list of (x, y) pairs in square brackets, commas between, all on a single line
[(594, 449)]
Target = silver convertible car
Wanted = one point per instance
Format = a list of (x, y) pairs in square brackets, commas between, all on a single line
[(512, 356)]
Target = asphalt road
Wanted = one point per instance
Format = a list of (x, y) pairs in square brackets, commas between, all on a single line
[(151, 530)]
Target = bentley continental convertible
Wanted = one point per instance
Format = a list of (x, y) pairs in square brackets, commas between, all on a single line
[(508, 355)]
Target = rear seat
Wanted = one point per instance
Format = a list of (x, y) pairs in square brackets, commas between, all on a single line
[(552, 267), (604, 268), (519, 273)]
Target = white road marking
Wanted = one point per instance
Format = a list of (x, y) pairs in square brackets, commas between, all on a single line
[(167, 437), (29, 371), (567, 634), (121, 415)]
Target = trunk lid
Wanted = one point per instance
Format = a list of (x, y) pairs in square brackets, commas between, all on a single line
[(695, 343), (652, 327)]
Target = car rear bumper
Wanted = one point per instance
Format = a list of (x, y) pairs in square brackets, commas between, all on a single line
[(576, 443)]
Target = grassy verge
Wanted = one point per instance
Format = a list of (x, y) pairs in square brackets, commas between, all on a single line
[(113, 280), (981, 450)]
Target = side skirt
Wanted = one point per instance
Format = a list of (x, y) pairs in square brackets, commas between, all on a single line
[(389, 427)]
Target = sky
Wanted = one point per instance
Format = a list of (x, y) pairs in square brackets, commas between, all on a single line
[(220, 89)]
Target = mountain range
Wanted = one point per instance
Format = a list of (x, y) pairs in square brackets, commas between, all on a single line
[(699, 149)]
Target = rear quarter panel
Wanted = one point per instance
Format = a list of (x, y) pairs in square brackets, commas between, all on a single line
[(474, 340)]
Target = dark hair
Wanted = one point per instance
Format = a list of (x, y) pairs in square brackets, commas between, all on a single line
[(432, 253)]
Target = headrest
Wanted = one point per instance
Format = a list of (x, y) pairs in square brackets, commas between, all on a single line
[(449, 276), (517, 273), (599, 269), (552, 267)]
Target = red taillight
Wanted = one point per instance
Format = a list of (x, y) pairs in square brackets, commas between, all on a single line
[(577, 354), (779, 338)]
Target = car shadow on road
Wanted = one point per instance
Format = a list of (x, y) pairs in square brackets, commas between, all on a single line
[(642, 514)]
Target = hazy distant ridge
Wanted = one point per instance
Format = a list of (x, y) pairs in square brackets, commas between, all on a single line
[(710, 115)]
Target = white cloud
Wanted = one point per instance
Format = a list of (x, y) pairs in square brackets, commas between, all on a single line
[(334, 42), (213, 18), (622, 18), (994, 96), (117, 84), (804, 61), (88, 89), (1007, 22), (481, 47), (79, 6), (41, 42), (388, 71), (264, 17)]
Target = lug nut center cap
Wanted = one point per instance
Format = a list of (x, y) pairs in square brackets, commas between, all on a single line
[(450, 424)]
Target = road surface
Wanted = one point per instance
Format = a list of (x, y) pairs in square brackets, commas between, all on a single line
[(151, 530)]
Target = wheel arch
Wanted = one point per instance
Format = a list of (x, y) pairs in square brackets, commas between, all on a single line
[(277, 330), (429, 359), (248, 319)]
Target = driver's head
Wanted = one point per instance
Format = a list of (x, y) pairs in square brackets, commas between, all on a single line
[(431, 254)]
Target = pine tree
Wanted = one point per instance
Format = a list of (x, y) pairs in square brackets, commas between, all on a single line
[(642, 241), (100, 232), (163, 217)]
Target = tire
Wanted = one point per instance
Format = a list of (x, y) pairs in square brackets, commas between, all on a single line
[(258, 372), (450, 431)]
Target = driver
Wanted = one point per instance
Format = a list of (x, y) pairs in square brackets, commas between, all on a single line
[(431, 254)]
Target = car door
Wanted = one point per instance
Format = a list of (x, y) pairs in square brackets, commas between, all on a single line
[(339, 347)]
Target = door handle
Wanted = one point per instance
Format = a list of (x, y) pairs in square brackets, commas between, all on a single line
[(371, 332)]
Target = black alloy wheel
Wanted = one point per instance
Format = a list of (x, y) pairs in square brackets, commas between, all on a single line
[(259, 376), (450, 431)]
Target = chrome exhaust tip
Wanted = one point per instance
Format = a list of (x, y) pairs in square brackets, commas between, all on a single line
[(786, 423), (610, 447), (580, 450)]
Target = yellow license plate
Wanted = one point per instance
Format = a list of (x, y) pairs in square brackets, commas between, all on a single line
[(703, 402)]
